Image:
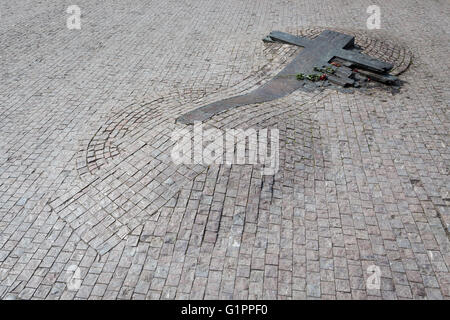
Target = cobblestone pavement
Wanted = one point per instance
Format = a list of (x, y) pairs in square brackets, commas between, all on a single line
[(93, 207)]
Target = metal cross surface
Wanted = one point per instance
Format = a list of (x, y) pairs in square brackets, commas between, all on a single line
[(317, 53)]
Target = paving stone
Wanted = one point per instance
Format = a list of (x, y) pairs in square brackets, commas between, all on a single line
[(88, 187)]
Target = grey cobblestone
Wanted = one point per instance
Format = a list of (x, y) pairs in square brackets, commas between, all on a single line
[(86, 177)]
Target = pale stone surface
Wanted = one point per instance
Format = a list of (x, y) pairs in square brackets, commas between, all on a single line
[(87, 182)]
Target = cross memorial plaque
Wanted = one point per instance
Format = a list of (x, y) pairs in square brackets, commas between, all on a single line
[(317, 53)]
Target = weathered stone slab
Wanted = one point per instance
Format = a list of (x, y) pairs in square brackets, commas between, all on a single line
[(341, 81)]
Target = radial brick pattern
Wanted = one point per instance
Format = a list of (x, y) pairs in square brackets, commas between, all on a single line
[(87, 180)]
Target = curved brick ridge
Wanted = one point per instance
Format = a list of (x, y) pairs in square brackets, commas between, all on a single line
[(144, 187), (285, 83), (367, 186), (126, 133), (102, 146)]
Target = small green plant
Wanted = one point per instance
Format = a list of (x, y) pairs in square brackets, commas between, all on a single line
[(317, 69), (329, 70), (313, 77)]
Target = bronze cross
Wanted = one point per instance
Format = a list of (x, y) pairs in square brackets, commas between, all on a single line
[(317, 53)]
